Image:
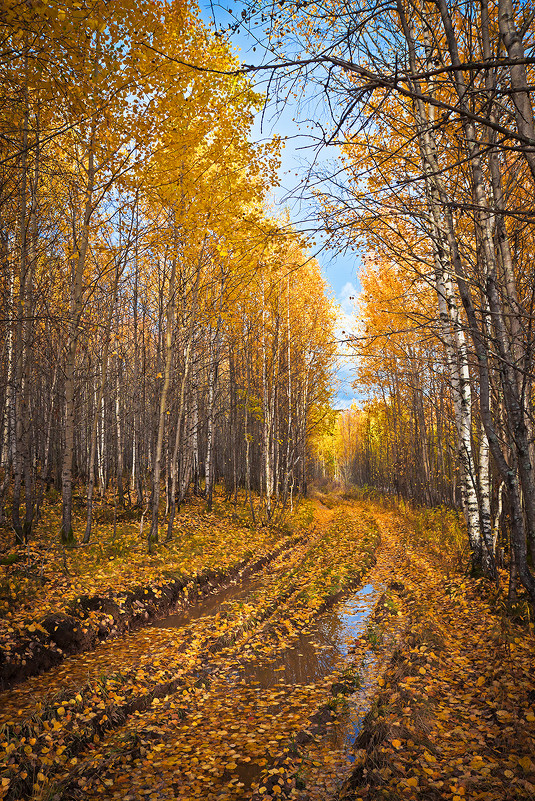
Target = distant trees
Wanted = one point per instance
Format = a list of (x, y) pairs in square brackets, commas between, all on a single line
[(157, 324)]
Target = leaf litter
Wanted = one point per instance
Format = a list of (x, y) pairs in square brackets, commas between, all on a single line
[(455, 716), (45, 741), (450, 688)]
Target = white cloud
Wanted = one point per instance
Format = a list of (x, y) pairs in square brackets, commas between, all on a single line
[(346, 298), (346, 315), (343, 402), (346, 325)]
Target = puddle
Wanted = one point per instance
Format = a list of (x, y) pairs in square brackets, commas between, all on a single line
[(324, 648), (320, 651), (210, 605), (347, 729), (312, 655)]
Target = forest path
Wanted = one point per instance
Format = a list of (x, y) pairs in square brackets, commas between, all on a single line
[(265, 693), (51, 721)]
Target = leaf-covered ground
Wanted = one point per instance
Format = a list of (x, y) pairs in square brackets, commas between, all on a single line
[(43, 579), (242, 699), (67, 717), (455, 715)]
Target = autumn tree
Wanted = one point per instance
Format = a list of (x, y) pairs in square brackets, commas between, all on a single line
[(433, 102), (156, 337)]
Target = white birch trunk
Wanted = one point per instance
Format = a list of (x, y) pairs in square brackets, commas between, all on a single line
[(168, 354)]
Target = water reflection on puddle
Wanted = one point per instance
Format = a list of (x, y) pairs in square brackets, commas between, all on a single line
[(323, 649), (312, 655), (348, 726), (319, 652)]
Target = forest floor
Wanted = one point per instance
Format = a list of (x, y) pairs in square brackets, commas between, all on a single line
[(345, 655)]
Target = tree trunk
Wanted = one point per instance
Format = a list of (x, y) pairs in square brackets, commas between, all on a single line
[(168, 355), (75, 313)]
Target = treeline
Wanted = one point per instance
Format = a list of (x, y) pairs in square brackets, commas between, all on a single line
[(433, 103), (161, 331), (407, 443)]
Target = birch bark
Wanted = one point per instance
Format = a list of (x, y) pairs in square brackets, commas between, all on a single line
[(446, 253), (168, 354)]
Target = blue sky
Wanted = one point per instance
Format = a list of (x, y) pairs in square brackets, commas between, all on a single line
[(340, 270)]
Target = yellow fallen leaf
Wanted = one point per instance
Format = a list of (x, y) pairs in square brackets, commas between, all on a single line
[(396, 743)]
